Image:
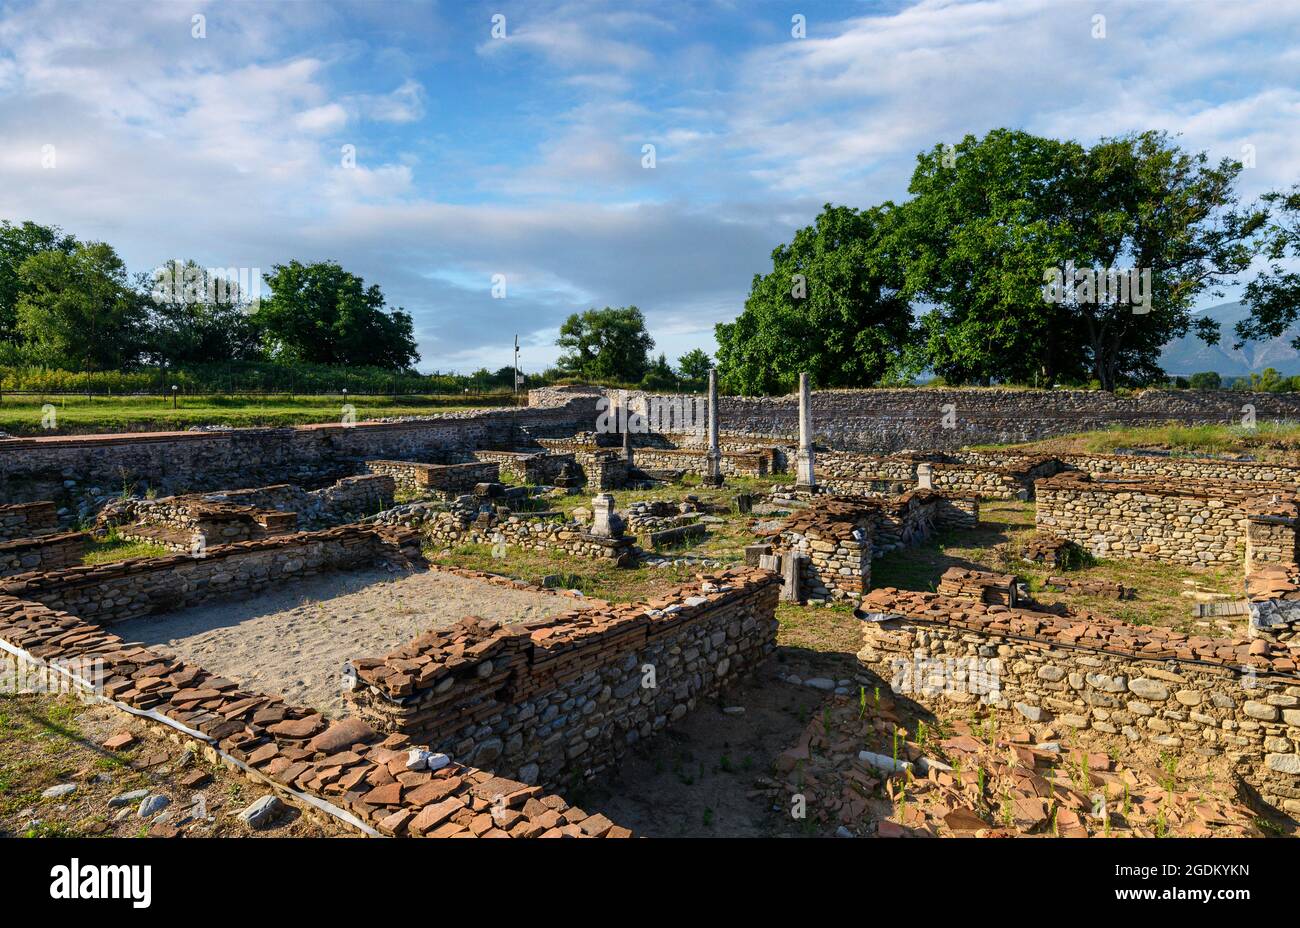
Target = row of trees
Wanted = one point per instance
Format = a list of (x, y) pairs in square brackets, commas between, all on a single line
[(71, 304)]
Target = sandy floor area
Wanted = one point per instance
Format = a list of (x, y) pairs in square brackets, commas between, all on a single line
[(294, 641)]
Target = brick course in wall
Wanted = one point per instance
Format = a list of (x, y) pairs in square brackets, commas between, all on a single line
[(566, 696), (23, 520), (1181, 693), (44, 552), (140, 586)]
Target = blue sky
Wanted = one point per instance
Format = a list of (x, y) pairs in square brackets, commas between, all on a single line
[(522, 156)]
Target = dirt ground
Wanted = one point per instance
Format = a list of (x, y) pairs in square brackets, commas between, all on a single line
[(52, 741), (294, 641)]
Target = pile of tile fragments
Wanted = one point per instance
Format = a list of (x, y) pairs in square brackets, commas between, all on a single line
[(859, 772)]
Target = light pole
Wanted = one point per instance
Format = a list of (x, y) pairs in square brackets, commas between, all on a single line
[(174, 389)]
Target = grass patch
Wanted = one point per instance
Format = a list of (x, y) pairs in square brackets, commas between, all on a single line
[(112, 549), (22, 415), (1160, 586), (1270, 441)]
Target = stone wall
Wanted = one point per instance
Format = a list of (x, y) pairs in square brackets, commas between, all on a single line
[(1182, 522), (530, 467), (377, 785), (175, 462), (1182, 694), (896, 419), (854, 472), (1182, 467), (44, 552), (344, 500), (128, 589), (23, 520), (536, 531), (565, 697), (836, 537), (441, 480)]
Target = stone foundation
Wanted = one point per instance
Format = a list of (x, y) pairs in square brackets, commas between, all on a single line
[(23, 520), (109, 593), (439, 480), (445, 528), (1199, 523), (1182, 694), (565, 697), (45, 552)]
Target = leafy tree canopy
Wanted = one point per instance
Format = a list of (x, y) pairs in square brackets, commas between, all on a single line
[(17, 244), (606, 345), (832, 305), (993, 218), (1274, 296), (320, 313), (79, 308), (693, 370)]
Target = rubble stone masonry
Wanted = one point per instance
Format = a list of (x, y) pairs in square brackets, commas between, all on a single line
[(1181, 522), (566, 696), (896, 419), (202, 460), (1181, 693), (128, 589), (443, 480), (44, 552), (23, 520)]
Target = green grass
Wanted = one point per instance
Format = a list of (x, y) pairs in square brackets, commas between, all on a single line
[(22, 415), (114, 549), (1270, 440), (1159, 585)]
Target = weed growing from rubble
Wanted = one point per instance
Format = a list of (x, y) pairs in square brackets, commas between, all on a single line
[(1008, 819), (1127, 804), (862, 702), (979, 780), (1162, 826)]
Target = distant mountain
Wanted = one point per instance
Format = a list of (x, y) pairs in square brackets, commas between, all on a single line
[(1190, 355)]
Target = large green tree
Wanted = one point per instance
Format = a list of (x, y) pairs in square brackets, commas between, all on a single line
[(693, 369), (1274, 296), (18, 242), (609, 344), (832, 305), (992, 216), (322, 314), (196, 317), (78, 309)]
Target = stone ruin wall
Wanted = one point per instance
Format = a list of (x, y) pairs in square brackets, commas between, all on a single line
[(1183, 695), (23, 520), (1200, 523), (180, 462), (531, 531), (444, 480), (566, 697), (896, 419), (44, 552), (343, 769), (114, 592)]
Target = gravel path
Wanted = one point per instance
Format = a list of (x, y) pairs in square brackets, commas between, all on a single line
[(294, 641)]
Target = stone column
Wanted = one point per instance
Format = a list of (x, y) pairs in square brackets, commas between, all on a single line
[(627, 432), (713, 472), (806, 478)]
